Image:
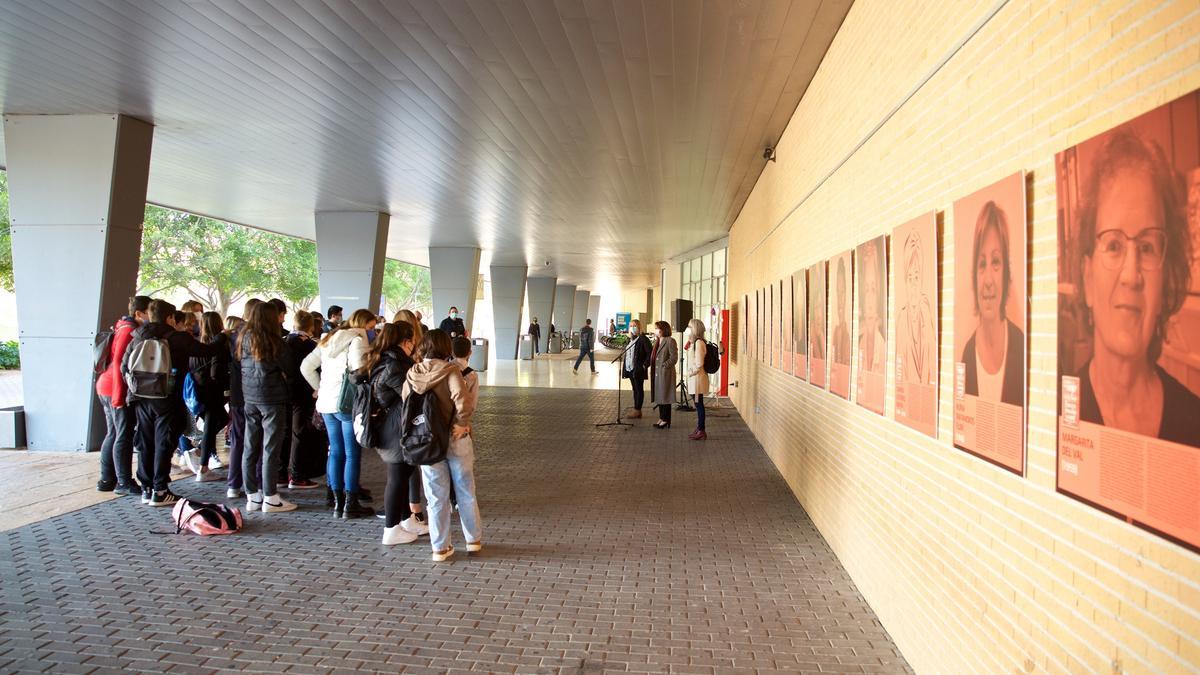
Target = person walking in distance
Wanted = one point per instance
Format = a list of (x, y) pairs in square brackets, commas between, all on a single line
[(535, 331), (634, 367), (116, 452), (587, 346)]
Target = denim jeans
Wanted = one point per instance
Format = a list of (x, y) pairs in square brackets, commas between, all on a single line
[(591, 359), (267, 429), (116, 452), (345, 455), (457, 472), (700, 412)]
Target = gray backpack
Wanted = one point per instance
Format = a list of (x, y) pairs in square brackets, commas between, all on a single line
[(148, 369)]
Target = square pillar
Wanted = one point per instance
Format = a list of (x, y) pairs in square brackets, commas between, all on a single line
[(581, 309), (563, 316), (508, 299), (350, 258), (78, 186), (454, 279), (593, 313), (541, 305)]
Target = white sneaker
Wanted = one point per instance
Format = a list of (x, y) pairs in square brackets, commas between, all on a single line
[(415, 526), (191, 459), (206, 474), (254, 502), (214, 462), (233, 493), (277, 504), (397, 535)]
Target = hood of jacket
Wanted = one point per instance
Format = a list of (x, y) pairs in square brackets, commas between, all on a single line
[(155, 331), (340, 342), (426, 375)]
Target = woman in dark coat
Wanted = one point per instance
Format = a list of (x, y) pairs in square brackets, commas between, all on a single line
[(662, 373), (387, 364), (213, 375)]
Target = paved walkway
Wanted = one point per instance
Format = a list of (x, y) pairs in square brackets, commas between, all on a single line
[(607, 550)]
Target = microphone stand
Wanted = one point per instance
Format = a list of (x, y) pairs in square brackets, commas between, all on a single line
[(620, 369)]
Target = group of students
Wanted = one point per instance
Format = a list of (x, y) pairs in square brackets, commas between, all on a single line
[(271, 389)]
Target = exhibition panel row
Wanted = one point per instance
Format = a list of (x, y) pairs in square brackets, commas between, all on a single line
[(1128, 322)]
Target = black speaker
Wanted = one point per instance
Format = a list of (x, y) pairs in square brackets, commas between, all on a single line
[(681, 314)]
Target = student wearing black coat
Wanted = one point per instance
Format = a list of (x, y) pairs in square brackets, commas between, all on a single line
[(303, 444), (267, 367)]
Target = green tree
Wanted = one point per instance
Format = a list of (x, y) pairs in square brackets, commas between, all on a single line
[(406, 286), (217, 263), (6, 261), (293, 270)]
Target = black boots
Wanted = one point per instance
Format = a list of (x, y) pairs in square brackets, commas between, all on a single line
[(328, 497), (339, 503), (354, 509)]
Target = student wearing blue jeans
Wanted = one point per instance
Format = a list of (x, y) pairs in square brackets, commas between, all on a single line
[(587, 346), (456, 389)]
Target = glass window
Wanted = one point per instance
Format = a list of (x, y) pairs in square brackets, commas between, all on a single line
[(696, 269), (706, 267), (685, 271), (718, 264), (719, 285), (706, 293)]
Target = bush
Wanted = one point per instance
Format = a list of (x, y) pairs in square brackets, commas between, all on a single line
[(10, 355)]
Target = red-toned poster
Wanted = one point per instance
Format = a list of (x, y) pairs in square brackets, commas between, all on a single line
[(1129, 320), (816, 324), (872, 289), (787, 323), (914, 270), (800, 321), (841, 341), (989, 323)]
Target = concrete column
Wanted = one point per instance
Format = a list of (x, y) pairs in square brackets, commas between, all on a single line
[(454, 278), (564, 308), (508, 299), (541, 305), (78, 186), (581, 309), (350, 258), (593, 313)]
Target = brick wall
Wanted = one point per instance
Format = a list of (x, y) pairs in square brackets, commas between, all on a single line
[(971, 568)]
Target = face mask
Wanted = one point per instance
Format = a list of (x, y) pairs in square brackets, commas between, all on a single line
[(453, 315), (658, 332), (633, 330), (199, 316)]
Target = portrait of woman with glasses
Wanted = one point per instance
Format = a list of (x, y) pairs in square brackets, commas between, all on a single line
[(1132, 276)]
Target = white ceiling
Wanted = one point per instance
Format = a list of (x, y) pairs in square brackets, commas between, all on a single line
[(602, 135)]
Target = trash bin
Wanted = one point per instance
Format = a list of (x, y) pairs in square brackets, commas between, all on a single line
[(479, 354), (555, 343), (12, 427), (526, 348)]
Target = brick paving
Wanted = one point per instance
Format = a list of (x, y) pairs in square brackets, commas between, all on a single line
[(606, 550)]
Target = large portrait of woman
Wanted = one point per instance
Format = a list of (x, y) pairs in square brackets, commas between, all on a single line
[(1129, 330), (841, 341), (816, 324), (800, 319), (914, 264), (989, 323), (872, 323)]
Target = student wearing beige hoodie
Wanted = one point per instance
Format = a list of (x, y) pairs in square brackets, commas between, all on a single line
[(325, 368), (456, 389)]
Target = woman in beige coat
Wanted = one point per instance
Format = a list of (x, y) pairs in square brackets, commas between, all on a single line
[(662, 373), (697, 379)]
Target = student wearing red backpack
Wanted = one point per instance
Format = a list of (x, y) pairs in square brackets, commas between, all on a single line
[(116, 452)]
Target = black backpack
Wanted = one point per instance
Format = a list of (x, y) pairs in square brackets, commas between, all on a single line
[(424, 430), (102, 351), (712, 358)]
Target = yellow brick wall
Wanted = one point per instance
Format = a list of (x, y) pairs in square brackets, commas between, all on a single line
[(969, 567)]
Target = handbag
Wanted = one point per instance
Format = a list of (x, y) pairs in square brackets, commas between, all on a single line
[(347, 393)]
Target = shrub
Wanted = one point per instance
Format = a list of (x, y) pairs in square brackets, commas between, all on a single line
[(10, 355)]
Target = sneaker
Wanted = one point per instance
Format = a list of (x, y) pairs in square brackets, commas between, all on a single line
[(130, 489), (206, 475), (415, 526), (281, 484), (164, 498), (254, 502), (191, 459), (302, 484), (381, 514), (233, 493), (474, 547), (443, 556), (214, 462), (105, 486), (277, 504), (147, 493), (397, 535)]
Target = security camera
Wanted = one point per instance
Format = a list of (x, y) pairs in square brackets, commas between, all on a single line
[(769, 153), (547, 263)]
